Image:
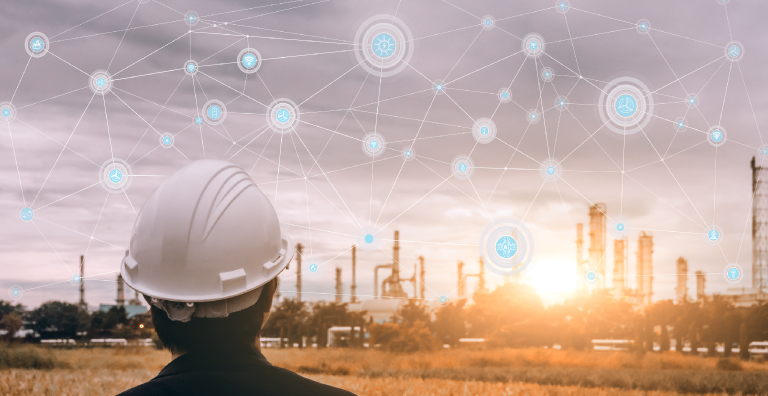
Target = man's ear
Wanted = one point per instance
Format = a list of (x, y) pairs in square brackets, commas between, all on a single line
[(267, 294)]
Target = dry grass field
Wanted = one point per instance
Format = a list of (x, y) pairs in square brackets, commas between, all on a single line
[(108, 371)]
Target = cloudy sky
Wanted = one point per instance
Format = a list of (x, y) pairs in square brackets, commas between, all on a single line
[(673, 185)]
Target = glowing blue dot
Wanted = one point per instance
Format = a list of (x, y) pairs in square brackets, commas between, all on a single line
[(484, 130), (36, 44), (283, 116), (463, 167), (368, 238), (249, 60), (76, 278), (190, 67), (199, 120), (626, 105), (27, 214), (620, 227), (313, 267), (561, 103), (384, 45), (506, 246), (214, 112), (505, 94), (115, 175), (373, 144), (643, 26), (733, 273), (6, 112), (692, 100), (533, 45), (407, 153), (15, 292), (713, 235), (764, 152), (443, 299), (563, 5), (734, 51), (101, 82), (680, 124), (167, 140), (591, 275), (716, 136), (551, 170), (191, 18), (439, 87)]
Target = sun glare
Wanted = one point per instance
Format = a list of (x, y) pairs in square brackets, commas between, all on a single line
[(552, 277)]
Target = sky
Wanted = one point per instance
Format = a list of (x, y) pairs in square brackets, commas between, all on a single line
[(673, 185)]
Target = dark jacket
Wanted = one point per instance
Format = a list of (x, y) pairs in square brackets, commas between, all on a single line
[(241, 372)]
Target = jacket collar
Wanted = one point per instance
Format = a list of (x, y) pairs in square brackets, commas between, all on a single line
[(214, 359)]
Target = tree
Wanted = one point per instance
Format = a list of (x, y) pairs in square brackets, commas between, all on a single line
[(328, 314), (56, 319), (11, 323), (450, 323), (288, 319), (105, 323)]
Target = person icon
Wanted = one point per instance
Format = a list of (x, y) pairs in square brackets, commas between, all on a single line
[(115, 176), (214, 112), (462, 167), (713, 235), (313, 267), (551, 170), (484, 130), (733, 273), (384, 45), (283, 116)]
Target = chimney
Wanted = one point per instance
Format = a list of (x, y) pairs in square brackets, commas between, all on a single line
[(682, 280), (82, 303), (421, 277), (462, 288), (298, 271), (701, 280), (353, 288), (338, 285), (120, 294)]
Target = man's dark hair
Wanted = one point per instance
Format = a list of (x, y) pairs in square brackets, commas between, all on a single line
[(239, 329)]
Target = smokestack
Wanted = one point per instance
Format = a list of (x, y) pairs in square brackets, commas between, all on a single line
[(298, 271), (682, 280), (120, 294), (701, 281), (396, 258), (644, 269), (619, 276), (353, 288), (462, 288), (597, 240), (421, 277), (338, 285), (481, 276), (82, 303)]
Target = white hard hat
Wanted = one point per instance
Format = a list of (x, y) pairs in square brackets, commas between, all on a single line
[(205, 243)]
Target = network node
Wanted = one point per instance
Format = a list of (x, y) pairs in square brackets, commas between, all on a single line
[(249, 60), (191, 18), (15, 292), (533, 45), (443, 299), (384, 45), (115, 175), (100, 82), (166, 140), (763, 151), (190, 67), (27, 214), (505, 95), (626, 105), (438, 87), (561, 103), (643, 26), (717, 136), (562, 6), (283, 115), (680, 124), (214, 112), (484, 130), (533, 116), (374, 144), (462, 167), (591, 277), (551, 170), (723, 2), (506, 247), (76, 279), (547, 74), (144, 1), (408, 153), (692, 100), (368, 238), (198, 120), (734, 51), (37, 44), (7, 111), (733, 273), (619, 227), (487, 22), (713, 235)]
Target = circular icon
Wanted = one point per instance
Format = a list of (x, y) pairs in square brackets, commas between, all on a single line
[(680, 124), (27, 214), (214, 112), (313, 267), (368, 238), (547, 74), (626, 105), (198, 120), (443, 299), (533, 45), (713, 235), (36, 44), (438, 87), (15, 292), (619, 227), (7, 111), (533, 116), (374, 144), (506, 247), (283, 115), (76, 279), (734, 51), (487, 22), (100, 82), (590, 277), (249, 60), (643, 26), (484, 130), (505, 95), (550, 170), (763, 151), (191, 18), (692, 100), (733, 273), (723, 2), (408, 153), (166, 140), (562, 6), (384, 45), (115, 175), (462, 167), (561, 103), (190, 67), (716, 136)]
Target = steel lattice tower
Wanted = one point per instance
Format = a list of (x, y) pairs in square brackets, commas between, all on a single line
[(759, 227)]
